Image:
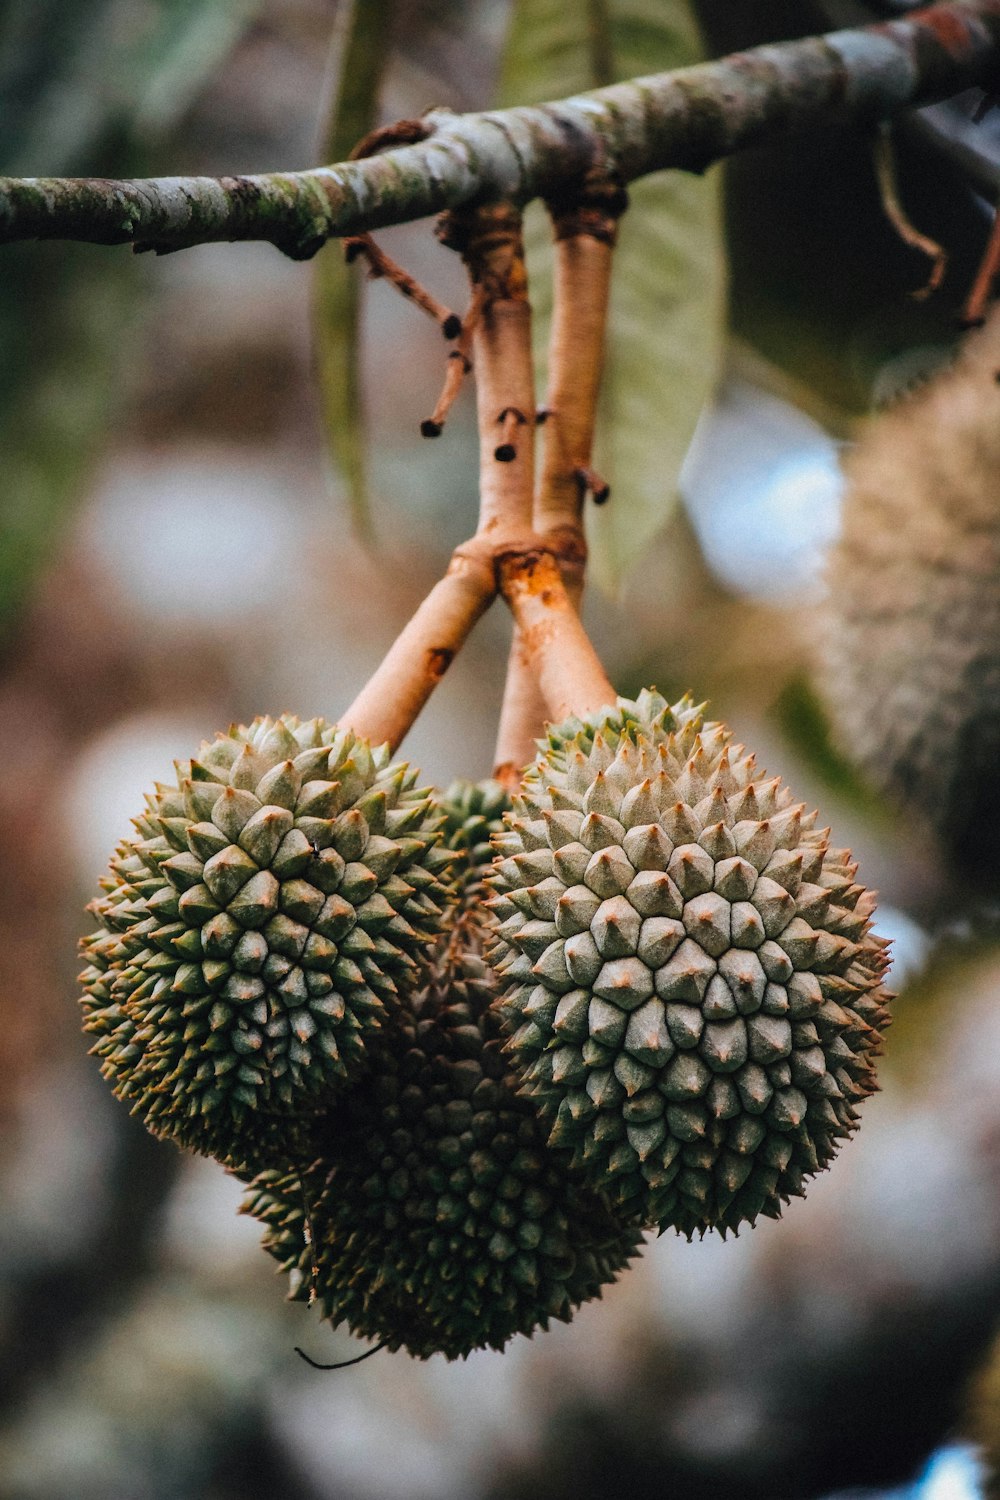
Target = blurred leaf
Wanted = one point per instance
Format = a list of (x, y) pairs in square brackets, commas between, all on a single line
[(361, 46), (175, 56), (798, 712), (86, 87), (668, 299), (61, 335), (73, 77)]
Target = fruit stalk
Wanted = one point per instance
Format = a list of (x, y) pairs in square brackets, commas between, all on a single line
[(492, 247), (553, 665), (557, 648), (584, 226), (388, 704), (489, 240)]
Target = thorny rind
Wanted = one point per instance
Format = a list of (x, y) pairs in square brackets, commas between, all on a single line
[(685, 119)]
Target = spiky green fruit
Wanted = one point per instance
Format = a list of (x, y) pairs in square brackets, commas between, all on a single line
[(434, 1217), (912, 614), (690, 982), (472, 812), (253, 933)]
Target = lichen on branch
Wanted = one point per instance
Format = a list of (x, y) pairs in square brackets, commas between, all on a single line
[(685, 119)]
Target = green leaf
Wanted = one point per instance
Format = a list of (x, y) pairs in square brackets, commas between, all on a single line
[(362, 48), (668, 296), (63, 321), (802, 719), (79, 80)]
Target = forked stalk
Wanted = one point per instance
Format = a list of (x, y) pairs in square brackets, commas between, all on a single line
[(489, 239), (584, 226)]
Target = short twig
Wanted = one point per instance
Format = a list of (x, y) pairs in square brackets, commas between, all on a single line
[(974, 311), (884, 158), (457, 368), (382, 266), (591, 483), (459, 365)]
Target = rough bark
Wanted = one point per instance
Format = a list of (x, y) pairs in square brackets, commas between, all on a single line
[(685, 119)]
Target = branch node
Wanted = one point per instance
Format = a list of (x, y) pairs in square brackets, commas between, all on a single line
[(488, 238), (592, 206)]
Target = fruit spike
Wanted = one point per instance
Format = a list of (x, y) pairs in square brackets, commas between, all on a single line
[(690, 986), (254, 931), (433, 1216)]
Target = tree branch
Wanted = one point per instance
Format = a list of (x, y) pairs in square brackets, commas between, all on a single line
[(686, 119)]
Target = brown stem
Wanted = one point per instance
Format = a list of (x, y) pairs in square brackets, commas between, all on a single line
[(552, 648), (390, 701), (459, 365), (489, 238), (582, 277), (522, 717), (556, 647), (888, 187), (974, 311), (584, 225), (383, 267)]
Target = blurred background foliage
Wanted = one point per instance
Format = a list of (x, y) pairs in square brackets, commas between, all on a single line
[(181, 504)]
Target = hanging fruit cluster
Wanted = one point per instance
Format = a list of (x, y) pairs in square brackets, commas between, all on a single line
[(465, 1049)]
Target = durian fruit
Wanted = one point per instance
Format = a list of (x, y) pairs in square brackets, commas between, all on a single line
[(253, 933), (434, 1218), (690, 984), (911, 647)]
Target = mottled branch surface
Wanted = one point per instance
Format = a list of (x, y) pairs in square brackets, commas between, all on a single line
[(686, 119)]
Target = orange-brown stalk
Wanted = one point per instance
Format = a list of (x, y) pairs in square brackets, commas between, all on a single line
[(584, 226), (489, 238)]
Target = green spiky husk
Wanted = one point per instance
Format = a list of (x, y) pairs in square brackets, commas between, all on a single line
[(253, 934), (434, 1218), (691, 987)]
